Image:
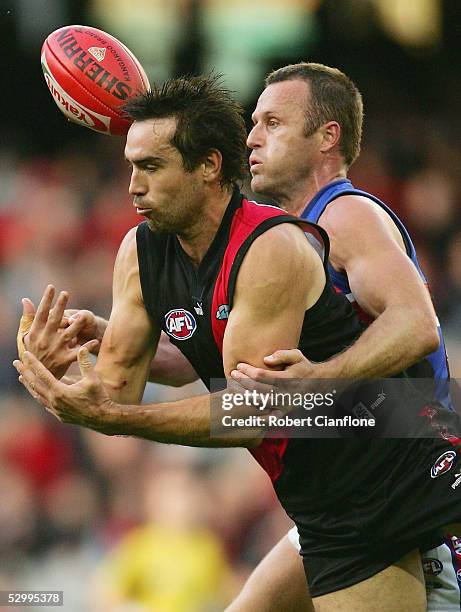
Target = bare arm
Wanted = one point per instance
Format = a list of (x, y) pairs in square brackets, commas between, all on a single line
[(269, 307), (268, 312), (366, 244), (168, 367), (387, 286), (130, 339)]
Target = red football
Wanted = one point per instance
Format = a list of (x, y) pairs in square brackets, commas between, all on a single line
[(90, 75)]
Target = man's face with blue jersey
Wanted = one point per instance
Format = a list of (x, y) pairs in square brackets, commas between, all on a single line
[(283, 157)]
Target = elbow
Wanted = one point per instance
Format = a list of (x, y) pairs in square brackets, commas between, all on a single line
[(433, 341)]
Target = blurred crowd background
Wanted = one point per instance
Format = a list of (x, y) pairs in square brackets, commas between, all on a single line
[(122, 524)]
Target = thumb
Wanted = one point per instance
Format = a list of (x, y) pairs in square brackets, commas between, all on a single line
[(85, 363), (28, 308), (92, 346), (25, 323), (285, 358)]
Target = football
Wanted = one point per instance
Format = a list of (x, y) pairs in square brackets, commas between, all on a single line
[(90, 75)]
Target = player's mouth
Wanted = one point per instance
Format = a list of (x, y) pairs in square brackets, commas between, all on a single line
[(141, 210), (145, 212), (254, 163)]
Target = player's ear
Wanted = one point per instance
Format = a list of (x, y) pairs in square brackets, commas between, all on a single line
[(211, 166), (331, 133)]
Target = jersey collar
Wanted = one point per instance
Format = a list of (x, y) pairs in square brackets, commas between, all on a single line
[(333, 185)]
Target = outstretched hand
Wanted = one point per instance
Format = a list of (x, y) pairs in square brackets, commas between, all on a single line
[(49, 335), (85, 402)]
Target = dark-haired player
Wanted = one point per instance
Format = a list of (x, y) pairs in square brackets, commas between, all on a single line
[(220, 258)]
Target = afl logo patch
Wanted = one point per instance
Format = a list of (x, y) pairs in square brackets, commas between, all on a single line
[(443, 464), (180, 323)]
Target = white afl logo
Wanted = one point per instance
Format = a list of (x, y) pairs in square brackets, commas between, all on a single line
[(443, 464), (180, 323)]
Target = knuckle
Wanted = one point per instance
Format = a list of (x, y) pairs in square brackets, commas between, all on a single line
[(42, 345), (57, 396)]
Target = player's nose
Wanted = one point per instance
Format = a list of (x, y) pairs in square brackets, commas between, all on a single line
[(137, 184), (254, 138)]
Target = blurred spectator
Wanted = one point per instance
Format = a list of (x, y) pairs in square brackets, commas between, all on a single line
[(173, 562)]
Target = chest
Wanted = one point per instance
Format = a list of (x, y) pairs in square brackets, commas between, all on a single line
[(190, 306)]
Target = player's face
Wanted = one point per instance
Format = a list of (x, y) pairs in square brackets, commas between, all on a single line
[(163, 192), (282, 157)]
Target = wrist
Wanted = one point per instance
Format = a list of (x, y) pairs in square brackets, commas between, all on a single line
[(333, 369), (112, 419)]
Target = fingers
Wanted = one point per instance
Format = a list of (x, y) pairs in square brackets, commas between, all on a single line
[(43, 377), (70, 312), (44, 307), (68, 316), (28, 308), (55, 315), (85, 363), (28, 379), (76, 325), (249, 383), (284, 358), (256, 374), (88, 318), (25, 324), (242, 379), (92, 346)]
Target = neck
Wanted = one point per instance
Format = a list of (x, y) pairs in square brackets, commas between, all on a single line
[(197, 240), (297, 200)]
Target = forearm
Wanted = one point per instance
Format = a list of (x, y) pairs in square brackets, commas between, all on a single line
[(126, 390), (177, 377), (397, 339), (169, 366), (186, 422)]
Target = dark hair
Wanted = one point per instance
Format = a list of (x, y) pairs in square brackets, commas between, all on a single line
[(208, 117), (334, 97)]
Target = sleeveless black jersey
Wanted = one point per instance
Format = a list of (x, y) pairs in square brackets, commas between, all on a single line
[(192, 305), (338, 491)]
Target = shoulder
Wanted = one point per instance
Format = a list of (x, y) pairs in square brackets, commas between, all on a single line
[(128, 244), (349, 210), (126, 264), (284, 244), (278, 256), (353, 216)]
